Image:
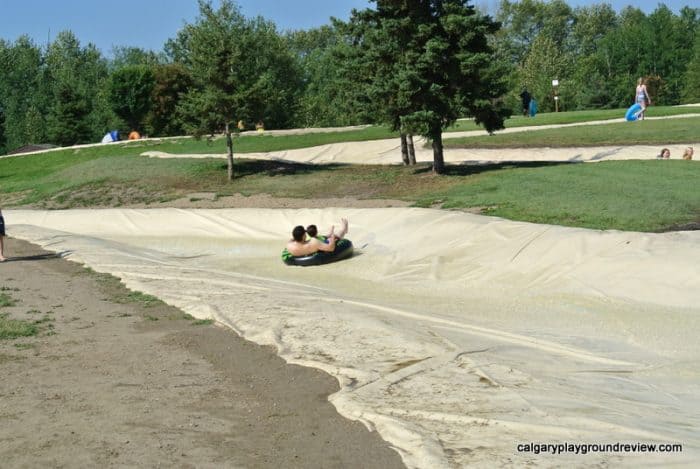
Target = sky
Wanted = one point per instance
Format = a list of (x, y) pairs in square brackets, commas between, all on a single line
[(148, 24)]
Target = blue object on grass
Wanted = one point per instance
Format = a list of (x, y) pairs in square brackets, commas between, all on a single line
[(633, 112), (532, 109)]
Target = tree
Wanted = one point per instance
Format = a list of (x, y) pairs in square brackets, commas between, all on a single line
[(544, 63), (590, 24), (172, 81), (21, 89), (432, 64), (589, 87), (241, 70), (3, 140), (75, 78), (124, 55), (523, 21), (67, 124), (691, 87), (130, 90), (331, 92), (211, 51)]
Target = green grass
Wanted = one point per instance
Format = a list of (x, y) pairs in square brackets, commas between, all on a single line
[(659, 132), (202, 322), (266, 143), (574, 117), (647, 195), (146, 300), (628, 195), (14, 328), (6, 300)]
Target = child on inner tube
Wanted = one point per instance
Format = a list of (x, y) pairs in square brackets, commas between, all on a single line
[(300, 246), (312, 231)]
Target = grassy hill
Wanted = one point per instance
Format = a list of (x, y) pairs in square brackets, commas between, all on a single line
[(626, 195)]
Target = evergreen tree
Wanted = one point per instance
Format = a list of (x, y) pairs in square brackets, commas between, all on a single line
[(432, 64), (76, 78), (130, 90), (67, 123), (21, 89)]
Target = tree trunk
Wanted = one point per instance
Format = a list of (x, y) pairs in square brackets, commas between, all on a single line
[(438, 158), (411, 150), (404, 149), (229, 148)]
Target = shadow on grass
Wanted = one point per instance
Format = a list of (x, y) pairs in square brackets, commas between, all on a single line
[(243, 167), (39, 257), (471, 168)]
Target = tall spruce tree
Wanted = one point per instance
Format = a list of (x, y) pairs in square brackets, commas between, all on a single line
[(432, 64)]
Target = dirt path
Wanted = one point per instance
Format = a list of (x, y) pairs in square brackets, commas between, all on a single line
[(112, 379)]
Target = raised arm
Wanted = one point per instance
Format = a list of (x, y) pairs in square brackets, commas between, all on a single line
[(343, 229)]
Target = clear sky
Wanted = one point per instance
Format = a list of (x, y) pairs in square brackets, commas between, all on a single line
[(149, 23)]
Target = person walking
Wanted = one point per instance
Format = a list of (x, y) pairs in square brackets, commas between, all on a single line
[(641, 97)]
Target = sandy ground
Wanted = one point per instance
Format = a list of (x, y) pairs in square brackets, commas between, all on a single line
[(113, 383)]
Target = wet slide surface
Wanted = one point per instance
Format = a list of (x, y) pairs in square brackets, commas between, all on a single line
[(457, 337)]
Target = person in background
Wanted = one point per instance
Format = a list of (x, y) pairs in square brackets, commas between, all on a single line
[(688, 154), (2, 238), (526, 98), (664, 155), (641, 97)]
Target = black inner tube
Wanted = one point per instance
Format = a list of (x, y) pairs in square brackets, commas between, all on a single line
[(343, 250)]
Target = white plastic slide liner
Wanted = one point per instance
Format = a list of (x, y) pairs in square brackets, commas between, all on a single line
[(388, 152), (457, 337)]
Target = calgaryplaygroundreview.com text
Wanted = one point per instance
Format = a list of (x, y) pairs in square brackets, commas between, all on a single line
[(585, 448)]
